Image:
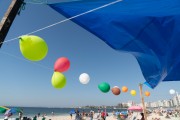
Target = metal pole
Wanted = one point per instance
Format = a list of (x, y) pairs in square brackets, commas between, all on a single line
[(8, 19), (142, 101)]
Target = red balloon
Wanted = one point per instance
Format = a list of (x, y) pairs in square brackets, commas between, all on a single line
[(62, 64)]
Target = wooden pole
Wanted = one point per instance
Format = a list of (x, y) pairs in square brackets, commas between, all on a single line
[(142, 101), (8, 19)]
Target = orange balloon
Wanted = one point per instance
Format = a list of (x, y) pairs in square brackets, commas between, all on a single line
[(147, 93), (124, 89)]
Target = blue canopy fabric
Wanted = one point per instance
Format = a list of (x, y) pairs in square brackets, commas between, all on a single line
[(148, 29)]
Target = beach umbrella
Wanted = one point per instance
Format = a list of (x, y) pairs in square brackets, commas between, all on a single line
[(124, 112), (117, 113), (72, 112), (12, 111), (3, 109), (147, 29), (8, 113), (135, 108)]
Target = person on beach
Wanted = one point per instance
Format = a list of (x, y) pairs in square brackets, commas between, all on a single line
[(35, 117), (83, 115), (114, 115), (142, 116), (77, 115), (99, 115), (39, 114), (20, 115), (43, 117), (52, 113), (91, 115), (118, 115), (6, 118), (103, 115), (71, 115)]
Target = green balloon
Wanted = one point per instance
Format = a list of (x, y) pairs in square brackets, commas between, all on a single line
[(104, 87), (33, 47), (58, 80)]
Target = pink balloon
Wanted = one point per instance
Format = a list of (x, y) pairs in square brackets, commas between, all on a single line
[(62, 64)]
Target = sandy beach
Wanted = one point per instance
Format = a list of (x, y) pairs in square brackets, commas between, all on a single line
[(152, 116), (111, 117)]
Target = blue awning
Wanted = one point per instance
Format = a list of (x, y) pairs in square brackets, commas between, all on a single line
[(148, 29)]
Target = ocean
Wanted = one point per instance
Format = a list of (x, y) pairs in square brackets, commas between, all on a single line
[(32, 111)]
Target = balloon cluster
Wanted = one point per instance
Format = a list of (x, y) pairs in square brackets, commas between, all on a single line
[(105, 87), (35, 48), (58, 79)]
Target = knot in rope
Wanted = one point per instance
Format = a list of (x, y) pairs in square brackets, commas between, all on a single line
[(21, 8)]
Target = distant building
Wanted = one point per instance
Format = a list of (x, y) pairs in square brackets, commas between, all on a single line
[(130, 103), (167, 103), (148, 104), (154, 104), (175, 101), (125, 105), (160, 103), (171, 103)]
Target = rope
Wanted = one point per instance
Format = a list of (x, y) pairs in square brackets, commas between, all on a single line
[(89, 11), (40, 2), (40, 65)]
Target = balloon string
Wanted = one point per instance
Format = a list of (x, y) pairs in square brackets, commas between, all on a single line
[(89, 11), (26, 60)]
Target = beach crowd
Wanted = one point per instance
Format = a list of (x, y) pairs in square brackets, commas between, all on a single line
[(155, 114)]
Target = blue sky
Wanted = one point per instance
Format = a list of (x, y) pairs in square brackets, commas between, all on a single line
[(24, 83)]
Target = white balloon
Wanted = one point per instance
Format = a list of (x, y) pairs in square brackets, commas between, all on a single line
[(84, 78), (171, 91)]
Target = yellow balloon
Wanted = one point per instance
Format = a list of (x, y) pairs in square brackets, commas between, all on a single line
[(133, 92), (58, 80), (33, 47)]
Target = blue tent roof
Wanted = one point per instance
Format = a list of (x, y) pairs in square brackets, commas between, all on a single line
[(148, 29)]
